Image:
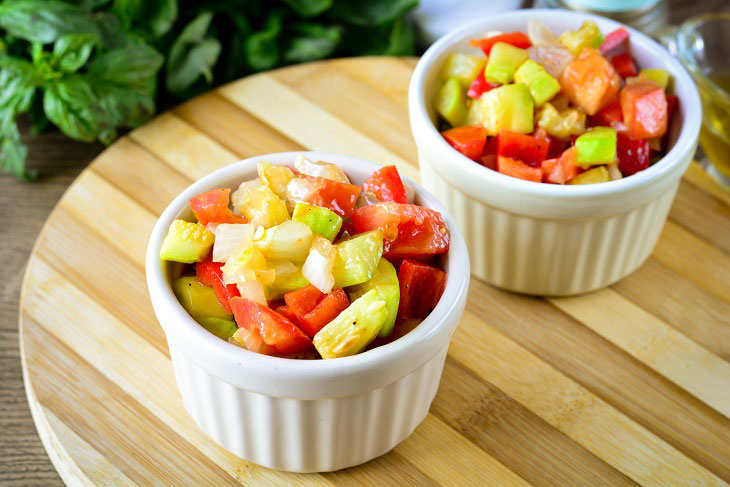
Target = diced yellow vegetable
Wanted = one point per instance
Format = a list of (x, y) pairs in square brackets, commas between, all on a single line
[(275, 177), (561, 124), (186, 242), (463, 67), (589, 35), (261, 206), (247, 263), (658, 76), (199, 301), (509, 107), (596, 175), (504, 59), (451, 102)]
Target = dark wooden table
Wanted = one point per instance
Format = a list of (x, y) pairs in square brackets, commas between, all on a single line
[(25, 206)]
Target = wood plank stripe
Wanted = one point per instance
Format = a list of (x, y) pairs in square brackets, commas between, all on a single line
[(655, 343), (132, 372), (699, 177), (443, 455), (177, 143), (674, 299), (702, 214), (232, 127), (610, 373), (389, 75), (690, 256), (279, 106), (572, 409), (519, 439), (121, 220)]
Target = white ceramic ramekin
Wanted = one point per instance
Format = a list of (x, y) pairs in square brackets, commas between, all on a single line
[(306, 415), (540, 238)]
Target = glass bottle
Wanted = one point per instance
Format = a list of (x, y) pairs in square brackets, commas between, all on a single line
[(648, 16)]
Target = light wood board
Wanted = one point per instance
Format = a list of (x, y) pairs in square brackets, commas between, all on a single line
[(628, 385)]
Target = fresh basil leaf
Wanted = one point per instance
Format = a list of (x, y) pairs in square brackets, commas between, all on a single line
[(261, 48), (12, 151), (71, 104), (393, 40), (124, 107), (88, 4), (370, 12), (153, 16), (192, 55), (402, 39), (18, 81), (310, 42), (134, 65), (309, 8), (234, 54), (44, 20), (73, 50)]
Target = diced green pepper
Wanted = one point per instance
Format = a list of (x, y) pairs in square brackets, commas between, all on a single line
[(542, 86), (354, 328), (199, 301), (385, 281), (598, 174), (589, 35), (509, 107), (658, 76), (322, 221), (221, 328), (597, 146), (463, 67), (451, 102), (504, 59), (357, 258), (186, 242)]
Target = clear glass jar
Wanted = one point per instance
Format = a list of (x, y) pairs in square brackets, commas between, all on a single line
[(648, 16)]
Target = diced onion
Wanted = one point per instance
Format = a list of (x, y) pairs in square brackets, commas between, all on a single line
[(251, 340), (553, 58), (228, 236), (320, 169), (540, 34), (239, 196), (299, 189), (253, 291), (317, 268), (287, 241), (366, 198)]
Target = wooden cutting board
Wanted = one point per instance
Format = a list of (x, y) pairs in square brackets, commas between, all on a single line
[(626, 385)]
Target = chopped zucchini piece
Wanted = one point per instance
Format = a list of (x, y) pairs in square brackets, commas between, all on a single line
[(354, 328), (186, 242), (385, 281), (463, 67), (509, 107), (223, 329), (199, 301), (357, 258), (289, 240), (597, 146), (658, 76), (504, 59), (451, 102), (542, 86)]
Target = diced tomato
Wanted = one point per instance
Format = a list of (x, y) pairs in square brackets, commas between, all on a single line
[(562, 169), (617, 42), (325, 311), (490, 161), (492, 146), (274, 328), (420, 231), (338, 197), (590, 81), (421, 287), (286, 313), (633, 155), (387, 185), (624, 65), (517, 39), (672, 105), (470, 141), (253, 342), (644, 107), (608, 117), (555, 145), (530, 150), (480, 85), (518, 169), (212, 206), (209, 273), (303, 300)]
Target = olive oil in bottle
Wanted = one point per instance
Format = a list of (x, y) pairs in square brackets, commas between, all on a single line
[(715, 133)]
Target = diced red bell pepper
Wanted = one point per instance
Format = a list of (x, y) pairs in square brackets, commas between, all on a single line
[(645, 111), (336, 196), (490, 161), (518, 169), (468, 140), (212, 206), (284, 311), (633, 155), (480, 85), (517, 39), (608, 117), (562, 169), (276, 330), (624, 65), (421, 287), (555, 145), (526, 148), (326, 310), (492, 146), (209, 273), (672, 105), (303, 300), (420, 231), (615, 43), (386, 184)]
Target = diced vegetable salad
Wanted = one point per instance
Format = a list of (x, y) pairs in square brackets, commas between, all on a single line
[(306, 264), (568, 109)]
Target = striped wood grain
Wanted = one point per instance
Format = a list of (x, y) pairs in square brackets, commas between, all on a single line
[(626, 385)]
